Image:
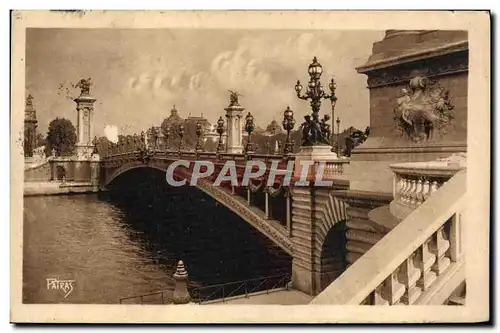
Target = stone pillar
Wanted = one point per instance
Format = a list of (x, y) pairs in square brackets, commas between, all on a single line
[(95, 170), (181, 294), (430, 69), (305, 273), (85, 110), (315, 154), (234, 113), (30, 125)]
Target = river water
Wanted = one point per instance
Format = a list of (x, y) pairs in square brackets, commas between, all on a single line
[(121, 246)]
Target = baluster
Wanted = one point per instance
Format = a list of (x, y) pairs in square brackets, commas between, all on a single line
[(395, 288), (413, 193), (456, 237), (427, 259), (379, 295), (426, 190), (396, 187), (419, 198), (390, 291), (408, 191), (434, 187), (400, 187), (404, 190), (410, 273), (440, 247)]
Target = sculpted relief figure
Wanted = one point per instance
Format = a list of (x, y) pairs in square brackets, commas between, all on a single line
[(421, 108)]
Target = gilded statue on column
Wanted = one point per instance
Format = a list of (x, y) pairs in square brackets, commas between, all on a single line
[(84, 86)]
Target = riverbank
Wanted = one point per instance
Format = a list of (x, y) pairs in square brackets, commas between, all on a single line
[(58, 188)]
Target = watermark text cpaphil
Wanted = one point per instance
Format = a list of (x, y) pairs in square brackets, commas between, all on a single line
[(252, 169)]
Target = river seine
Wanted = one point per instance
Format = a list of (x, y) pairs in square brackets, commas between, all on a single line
[(116, 245)]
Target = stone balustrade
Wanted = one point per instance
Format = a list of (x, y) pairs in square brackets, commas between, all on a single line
[(334, 168), (416, 262), (415, 182)]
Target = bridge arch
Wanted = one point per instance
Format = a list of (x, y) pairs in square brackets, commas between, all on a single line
[(330, 235), (222, 195), (110, 176)]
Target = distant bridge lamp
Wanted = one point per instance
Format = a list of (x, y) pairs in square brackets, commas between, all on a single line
[(249, 128), (220, 131), (167, 137), (338, 136), (288, 125), (199, 132), (181, 135)]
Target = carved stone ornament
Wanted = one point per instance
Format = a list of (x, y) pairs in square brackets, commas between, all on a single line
[(422, 108)]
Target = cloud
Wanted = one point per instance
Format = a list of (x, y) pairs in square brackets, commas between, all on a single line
[(111, 133), (262, 66)]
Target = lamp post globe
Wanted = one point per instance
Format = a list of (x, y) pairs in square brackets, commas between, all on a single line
[(298, 88)]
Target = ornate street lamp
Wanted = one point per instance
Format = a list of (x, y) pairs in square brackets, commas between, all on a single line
[(167, 137), (199, 132), (220, 131), (338, 136), (143, 141), (314, 132), (249, 127), (127, 144), (288, 124), (153, 137), (181, 135), (333, 101), (94, 142)]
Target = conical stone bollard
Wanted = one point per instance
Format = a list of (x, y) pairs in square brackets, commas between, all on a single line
[(181, 294)]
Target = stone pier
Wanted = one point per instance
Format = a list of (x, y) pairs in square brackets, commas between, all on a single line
[(85, 126), (234, 112)]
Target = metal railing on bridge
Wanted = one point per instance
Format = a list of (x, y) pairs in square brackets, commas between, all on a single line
[(224, 291), (159, 297)]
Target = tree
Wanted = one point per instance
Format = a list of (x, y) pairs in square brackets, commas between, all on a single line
[(103, 146), (40, 140), (210, 145), (61, 136)]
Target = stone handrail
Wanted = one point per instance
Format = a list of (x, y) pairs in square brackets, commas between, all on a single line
[(409, 265)]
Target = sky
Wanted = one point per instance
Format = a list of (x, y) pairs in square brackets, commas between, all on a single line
[(139, 74)]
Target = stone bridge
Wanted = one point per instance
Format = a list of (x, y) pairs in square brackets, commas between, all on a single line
[(302, 220)]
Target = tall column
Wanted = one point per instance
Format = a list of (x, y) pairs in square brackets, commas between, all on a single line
[(30, 124), (85, 109), (234, 113)]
